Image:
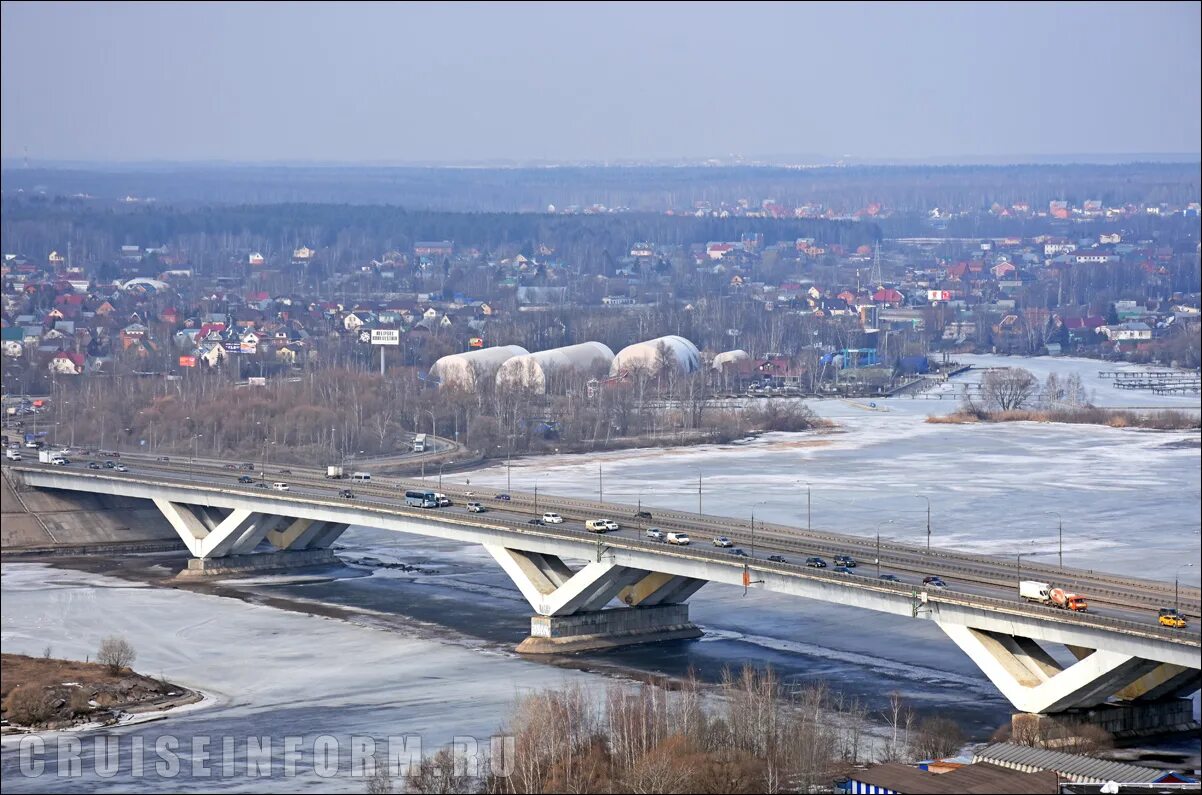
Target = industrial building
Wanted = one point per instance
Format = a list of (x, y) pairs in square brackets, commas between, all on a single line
[(533, 371)]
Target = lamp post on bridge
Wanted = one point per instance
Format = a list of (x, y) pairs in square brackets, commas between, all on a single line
[(1060, 534), (879, 525), (928, 499), (1177, 585)]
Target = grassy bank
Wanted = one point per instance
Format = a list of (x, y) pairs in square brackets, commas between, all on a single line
[(1167, 420)]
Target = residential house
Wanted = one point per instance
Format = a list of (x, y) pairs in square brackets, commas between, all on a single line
[(64, 363)]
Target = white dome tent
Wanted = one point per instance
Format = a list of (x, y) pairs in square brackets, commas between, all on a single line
[(463, 369), (682, 354), (533, 370)]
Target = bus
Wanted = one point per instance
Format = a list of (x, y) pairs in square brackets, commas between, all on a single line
[(421, 499), (419, 443)]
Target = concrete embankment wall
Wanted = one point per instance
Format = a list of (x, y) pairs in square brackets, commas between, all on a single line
[(43, 518)]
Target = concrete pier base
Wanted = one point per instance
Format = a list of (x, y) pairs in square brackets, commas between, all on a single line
[(1133, 719), (606, 629), (265, 561)]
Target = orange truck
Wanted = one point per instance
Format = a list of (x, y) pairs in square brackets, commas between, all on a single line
[(1068, 601)]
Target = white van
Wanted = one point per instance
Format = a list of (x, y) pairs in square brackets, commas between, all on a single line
[(12, 455), (680, 539), (362, 477), (280, 486), (596, 525)]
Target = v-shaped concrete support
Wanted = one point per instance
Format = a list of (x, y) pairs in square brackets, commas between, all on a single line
[(1034, 682), (215, 532), (553, 589)]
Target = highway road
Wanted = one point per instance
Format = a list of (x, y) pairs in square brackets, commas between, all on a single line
[(1114, 596)]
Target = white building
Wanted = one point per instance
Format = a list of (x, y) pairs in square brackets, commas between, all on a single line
[(532, 371), (471, 369), (653, 354)]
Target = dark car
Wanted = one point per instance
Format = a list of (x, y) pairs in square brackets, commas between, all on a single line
[(642, 514), (162, 458), (842, 570), (503, 497), (109, 465), (934, 581), (245, 479), (346, 493), (261, 485), (230, 466), (777, 558), (845, 560), (285, 472), (738, 553), (248, 467), (889, 578), (535, 520), (93, 465), (816, 563)]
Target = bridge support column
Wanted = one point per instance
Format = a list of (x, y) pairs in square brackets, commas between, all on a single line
[(571, 604), (223, 541)]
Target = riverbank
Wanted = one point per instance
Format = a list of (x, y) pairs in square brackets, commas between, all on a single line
[(44, 693), (1163, 420)]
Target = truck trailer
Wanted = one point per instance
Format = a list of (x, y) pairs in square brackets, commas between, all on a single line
[(1042, 592)]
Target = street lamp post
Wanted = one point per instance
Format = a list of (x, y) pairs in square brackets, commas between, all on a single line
[(699, 513), (536, 499), (1060, 534), (1177, 585), (440, 466), (879, 525), (809, 504), (928, 499), (600, 486)]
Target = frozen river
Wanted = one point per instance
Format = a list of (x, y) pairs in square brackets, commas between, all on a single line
[(1129, 501)]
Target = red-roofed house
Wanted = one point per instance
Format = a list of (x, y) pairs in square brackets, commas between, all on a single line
[(65, 363)]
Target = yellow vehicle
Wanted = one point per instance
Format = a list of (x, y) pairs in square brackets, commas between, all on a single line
[(1169, 617)]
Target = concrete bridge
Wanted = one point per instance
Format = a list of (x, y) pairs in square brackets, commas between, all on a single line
[(627, 589)]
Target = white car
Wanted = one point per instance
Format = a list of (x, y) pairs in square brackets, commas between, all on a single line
[(122, 468), (475, 507), (655, 534), (279, 486), (612, 525), (680, 539), (724, 542), (552, 518)]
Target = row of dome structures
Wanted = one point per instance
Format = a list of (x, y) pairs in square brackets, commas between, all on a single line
[(513, 367)]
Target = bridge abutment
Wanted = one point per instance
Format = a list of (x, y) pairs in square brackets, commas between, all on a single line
[(258, 562), (607, 629), (1134, 719)]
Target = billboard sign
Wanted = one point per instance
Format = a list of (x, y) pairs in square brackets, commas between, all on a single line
[(475, 342), (232, 346), (187, 361), (249, 346), (385, 336), (939, 295)]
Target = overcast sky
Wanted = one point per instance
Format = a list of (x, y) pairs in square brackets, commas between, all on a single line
[(566, 82)]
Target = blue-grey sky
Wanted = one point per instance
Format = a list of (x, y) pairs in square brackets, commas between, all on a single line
[(565, 81)]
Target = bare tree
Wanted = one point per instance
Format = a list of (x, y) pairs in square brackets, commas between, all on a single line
[(1008, 389), (116, 652), (380, 780)]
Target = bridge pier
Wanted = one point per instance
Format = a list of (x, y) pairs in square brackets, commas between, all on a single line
[(259, 562), (1121, 719), (571, 604)]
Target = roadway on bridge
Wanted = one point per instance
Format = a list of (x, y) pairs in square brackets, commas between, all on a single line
[(1112, 596)]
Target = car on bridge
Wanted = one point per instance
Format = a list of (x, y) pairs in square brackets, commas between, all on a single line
[(738, 553), (475, 507), (642, 514), (280, 486), (245, 479), (503, 496), (536, 521), (610, 524), (163, 458), (889, 578), (552, 518), (346, 494), (230, 466), (120, 467), (596, 526), (247, 467), (109, 465), (93, 465), (284, 472), (934, 581), (777, 558), (842, 570), (816, 563), (680, 539), (655, 534), (846, 561), (1170, 617), (723, 542)]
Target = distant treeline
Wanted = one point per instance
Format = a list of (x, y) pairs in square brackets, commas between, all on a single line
[(32, 225), (651, 188)]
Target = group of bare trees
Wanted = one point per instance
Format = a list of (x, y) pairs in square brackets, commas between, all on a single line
[(751, 733)]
